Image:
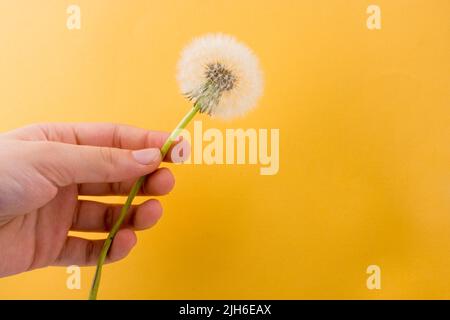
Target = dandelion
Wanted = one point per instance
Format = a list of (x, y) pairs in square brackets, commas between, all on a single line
[(220, 74), (222, 78)]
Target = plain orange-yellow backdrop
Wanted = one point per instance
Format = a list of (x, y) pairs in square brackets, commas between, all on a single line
[(364, 119)]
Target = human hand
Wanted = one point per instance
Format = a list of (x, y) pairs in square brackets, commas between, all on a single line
[(43, 169)]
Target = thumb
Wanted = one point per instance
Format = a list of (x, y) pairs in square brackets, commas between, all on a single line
[(66, 164)]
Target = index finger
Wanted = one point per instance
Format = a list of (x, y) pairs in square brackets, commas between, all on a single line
[(95, 134)]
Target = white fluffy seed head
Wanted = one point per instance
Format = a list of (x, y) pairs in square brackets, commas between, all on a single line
[(221, 74)]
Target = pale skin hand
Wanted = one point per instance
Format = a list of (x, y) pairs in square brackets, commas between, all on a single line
[(43, 169)]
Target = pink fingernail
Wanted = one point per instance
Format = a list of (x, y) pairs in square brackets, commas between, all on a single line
[(147, 156)]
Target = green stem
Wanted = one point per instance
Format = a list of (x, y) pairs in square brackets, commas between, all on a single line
[(134, 190)]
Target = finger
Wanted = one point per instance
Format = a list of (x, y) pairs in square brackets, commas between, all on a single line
[(84, 252), (95, 216), (159, 182), (66, 164), (94, 134)]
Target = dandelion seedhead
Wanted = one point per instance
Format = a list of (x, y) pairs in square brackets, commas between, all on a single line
[(221, 75)]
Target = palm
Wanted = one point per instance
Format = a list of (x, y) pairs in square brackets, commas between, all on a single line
[(39, 236)]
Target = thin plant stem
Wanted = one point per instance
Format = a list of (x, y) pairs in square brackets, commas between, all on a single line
[(134, 190)]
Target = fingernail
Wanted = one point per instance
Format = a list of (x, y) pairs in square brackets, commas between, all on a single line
[(147, 156)]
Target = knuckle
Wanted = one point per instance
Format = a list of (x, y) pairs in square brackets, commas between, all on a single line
[(106, 155), (76, 214), (107, 158), (90, 252), (108, 219), (116, 188)]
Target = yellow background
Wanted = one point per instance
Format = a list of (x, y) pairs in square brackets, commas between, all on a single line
[(364, 122)]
